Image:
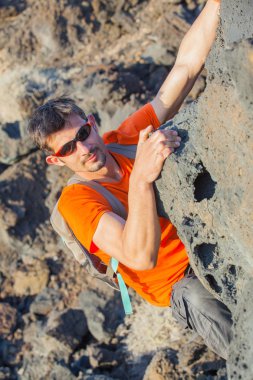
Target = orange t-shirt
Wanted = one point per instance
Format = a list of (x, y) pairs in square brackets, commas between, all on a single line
[(83, 207)]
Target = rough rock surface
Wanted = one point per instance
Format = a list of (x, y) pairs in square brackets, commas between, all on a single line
[(111, 57), (206, 188)]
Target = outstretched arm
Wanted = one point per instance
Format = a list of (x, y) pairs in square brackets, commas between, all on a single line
[(191, 58), (135, 242)]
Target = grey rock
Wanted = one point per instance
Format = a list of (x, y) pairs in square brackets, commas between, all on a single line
[(5, 373), (239, 54), (101, 357), (241, 351), (41, 368), (61, 373), (8, 353), (14, 142), (43, 351), (206, 187), (103, 314), (237, 22), (21, 212), (79, 362), (45, 301), (68, 327), (97, 377)]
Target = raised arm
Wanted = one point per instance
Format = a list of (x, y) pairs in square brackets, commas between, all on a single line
[(191, 58), (135, 242)]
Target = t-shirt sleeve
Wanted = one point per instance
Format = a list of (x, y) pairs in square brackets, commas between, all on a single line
[(82, 208), (128, 132)]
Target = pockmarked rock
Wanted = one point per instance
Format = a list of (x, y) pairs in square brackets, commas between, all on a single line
[(241, 353), (206, 186)]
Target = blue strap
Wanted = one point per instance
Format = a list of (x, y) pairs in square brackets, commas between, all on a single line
[(122, 286)]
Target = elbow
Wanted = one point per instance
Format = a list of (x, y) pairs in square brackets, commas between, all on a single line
[(151, 262), (143, 261), (150, 265)]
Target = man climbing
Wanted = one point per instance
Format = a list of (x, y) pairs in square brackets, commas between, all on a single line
[(153, 260)]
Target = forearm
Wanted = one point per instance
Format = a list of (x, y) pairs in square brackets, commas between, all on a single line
[(198, 41), (191, 57), (141, 235)]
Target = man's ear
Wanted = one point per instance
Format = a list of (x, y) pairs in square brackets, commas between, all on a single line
[(92, 121), (52, 160)]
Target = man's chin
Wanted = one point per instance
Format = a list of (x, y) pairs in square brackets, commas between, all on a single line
[(95, 163), (94, 167)]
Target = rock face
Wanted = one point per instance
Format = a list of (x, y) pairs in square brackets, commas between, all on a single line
[(112, 57), (206, 188)]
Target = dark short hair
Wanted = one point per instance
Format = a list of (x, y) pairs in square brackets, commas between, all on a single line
[(51, 117)]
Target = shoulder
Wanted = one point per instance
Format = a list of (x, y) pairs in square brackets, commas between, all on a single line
[(77, 197), (128, 131), (142, 116), (82, 208)]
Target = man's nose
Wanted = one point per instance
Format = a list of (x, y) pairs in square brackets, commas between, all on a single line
[(83, 147)]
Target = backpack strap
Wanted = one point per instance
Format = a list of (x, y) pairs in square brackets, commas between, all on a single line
[(119, 209), (93, 265), (128, 151), (117, 206), (123, 289)]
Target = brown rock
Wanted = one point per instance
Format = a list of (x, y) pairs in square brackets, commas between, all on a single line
[(162, 366), (8, 319), (31, 280)]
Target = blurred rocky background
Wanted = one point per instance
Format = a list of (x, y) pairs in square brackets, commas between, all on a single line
[(111, 57)]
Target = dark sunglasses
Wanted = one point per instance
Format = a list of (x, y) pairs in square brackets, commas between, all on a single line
[(70, 147)]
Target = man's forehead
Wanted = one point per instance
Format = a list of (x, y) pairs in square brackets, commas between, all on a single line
[(73, 121), (68, 132)]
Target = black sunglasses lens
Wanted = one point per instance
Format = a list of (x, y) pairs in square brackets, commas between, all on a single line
[(83, 133), (67, 149), (70, 147)]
